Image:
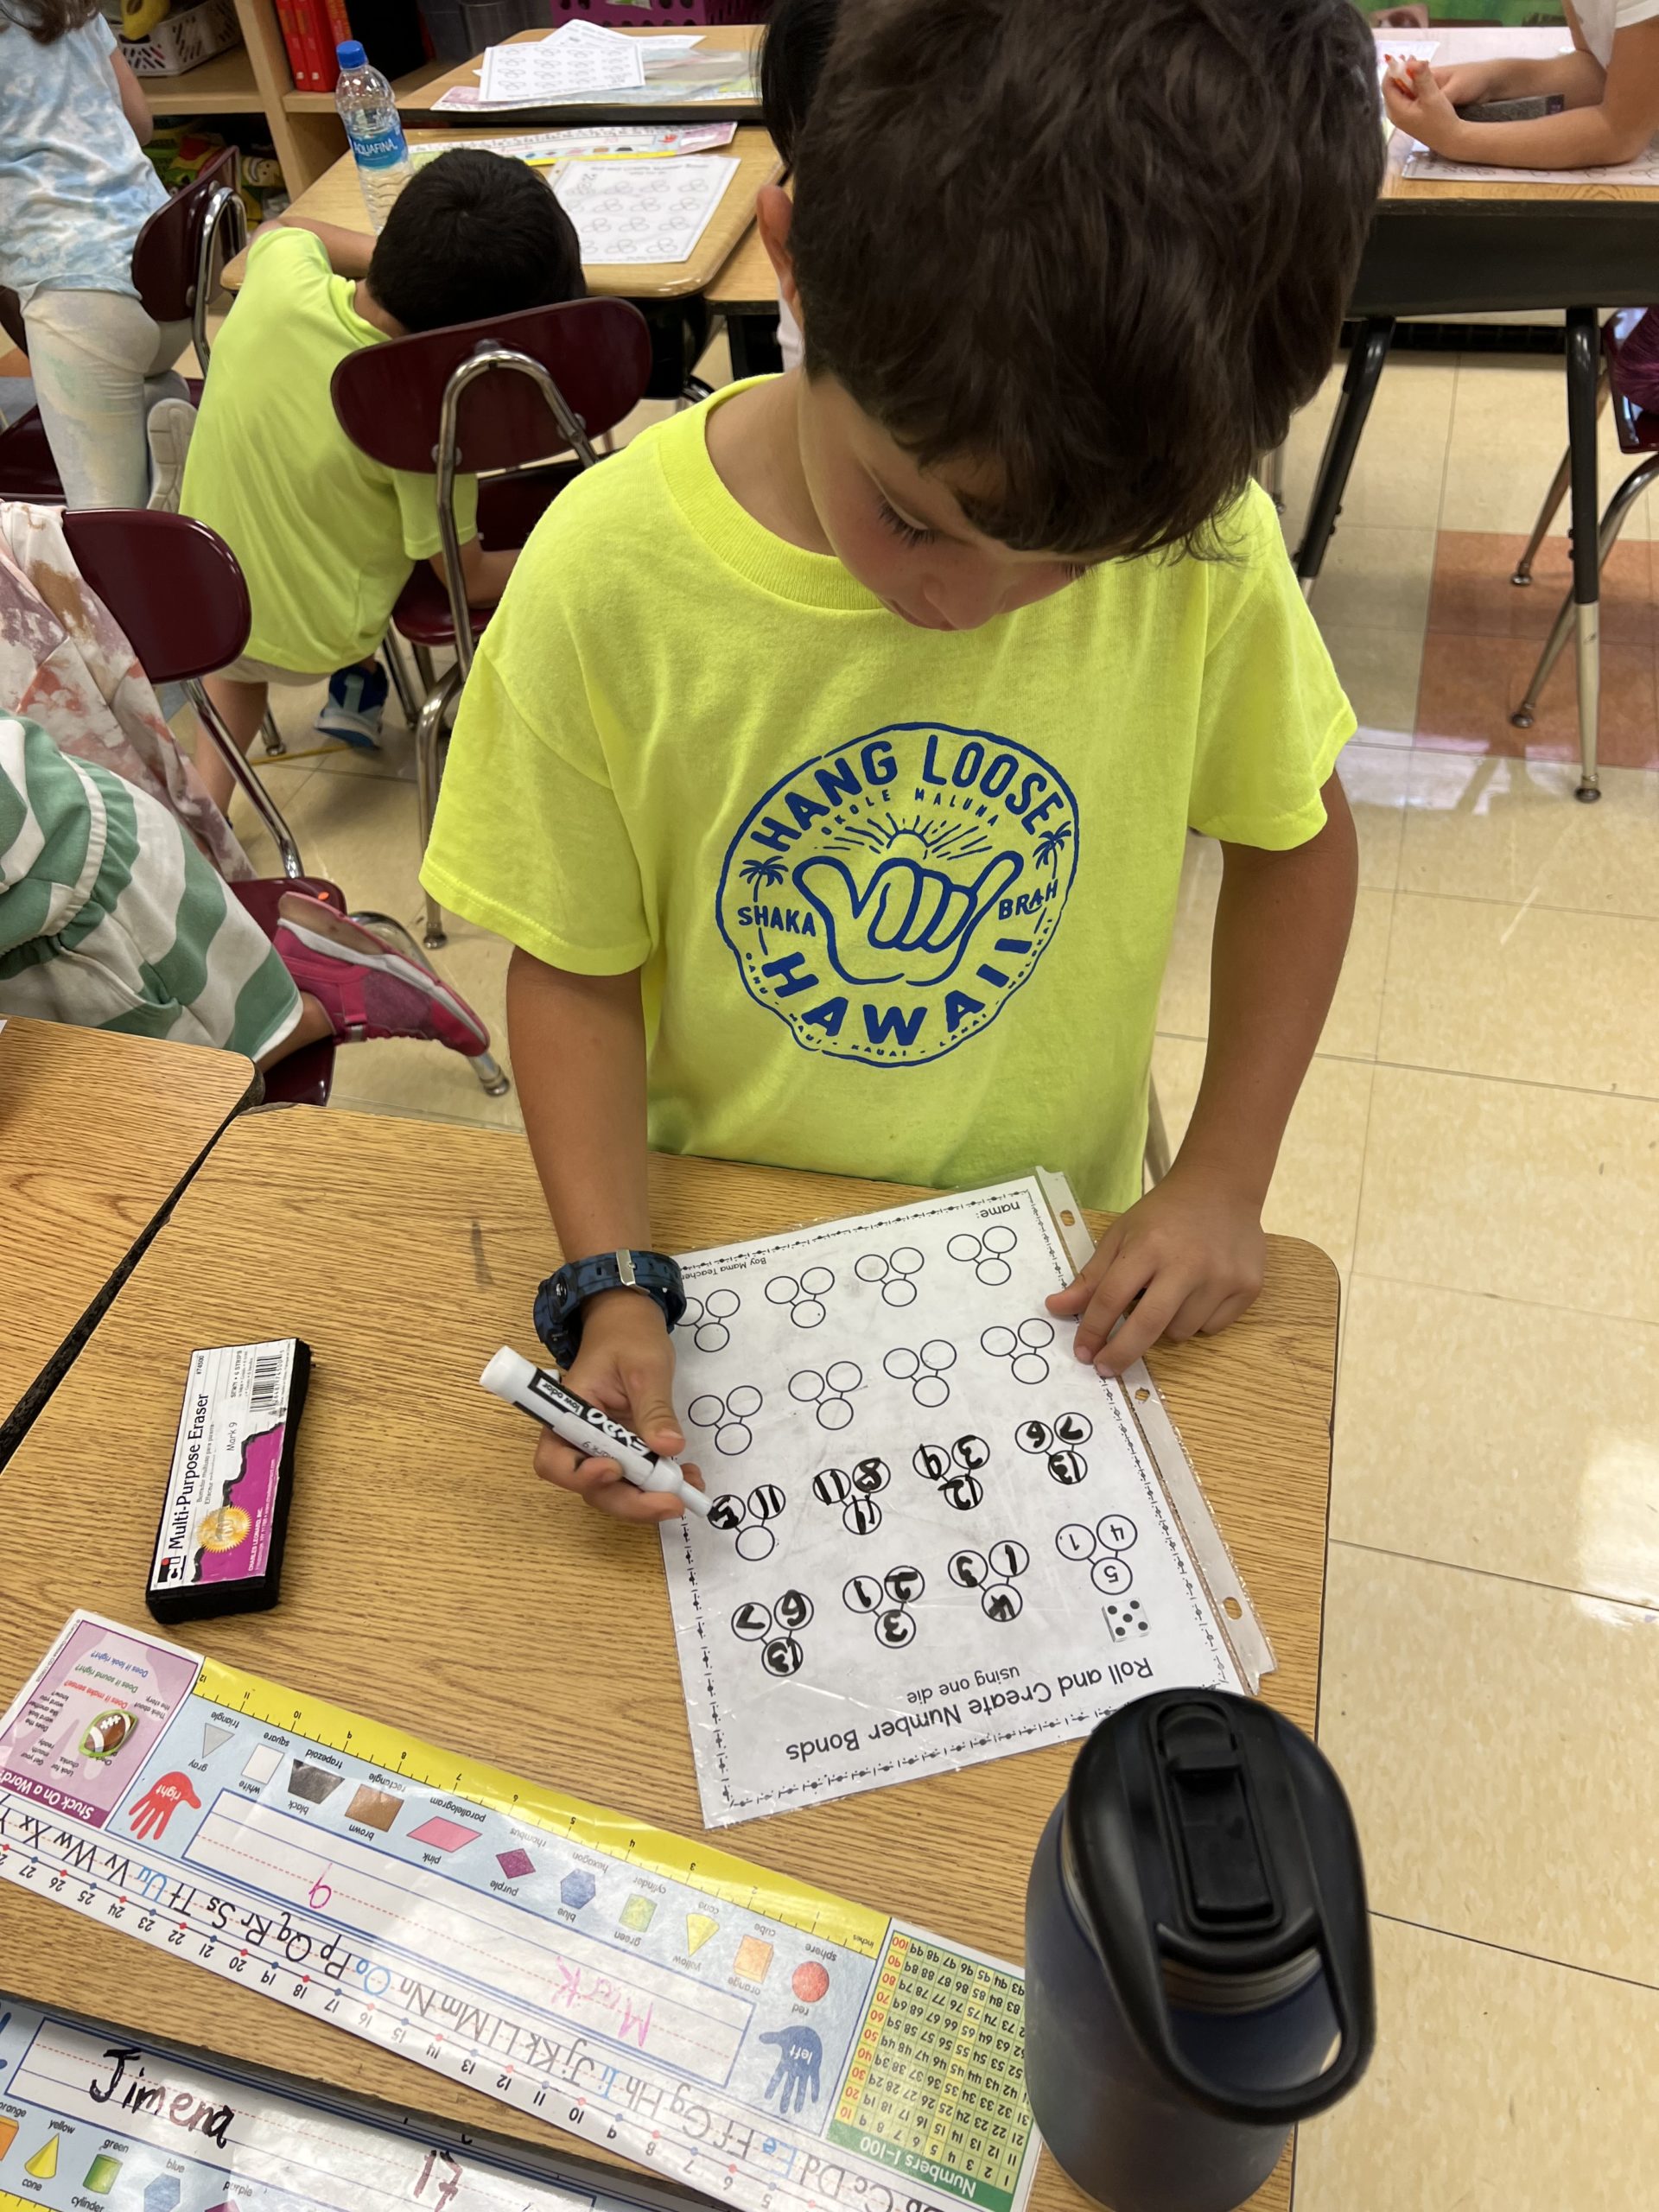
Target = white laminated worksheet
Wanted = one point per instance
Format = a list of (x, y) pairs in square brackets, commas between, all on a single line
[(580, 58), (937, 1537), (1425, 168), (653, 210)]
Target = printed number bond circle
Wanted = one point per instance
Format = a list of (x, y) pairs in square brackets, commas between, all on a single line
[(986, 1253), (855, 1493), (993, 1573), (887, 899), (749, 1517), (706, 1318), (828, 1394), (729, 1418), (1057, 1445), (805, 1298), (925, 1370), (1025, 1348), (1101, 1548), (888, 1600), (774, 1628)]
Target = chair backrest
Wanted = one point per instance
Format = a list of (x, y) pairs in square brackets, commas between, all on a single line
[(172, 255), (171, 584), (390, 398)]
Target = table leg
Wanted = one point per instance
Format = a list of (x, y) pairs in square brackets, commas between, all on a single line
[(1583, 373), (753, 341), (1370, 351)]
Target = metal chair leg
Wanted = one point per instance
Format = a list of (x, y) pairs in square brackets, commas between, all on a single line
[(1156, 1157), (1556, 495), (428, 729), (246, 781), (1270, 475), (1583, 374), (273, 736), (1612, 523), (492, 1078), (392, 655)]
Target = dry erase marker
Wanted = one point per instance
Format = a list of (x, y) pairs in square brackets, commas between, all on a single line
[(587, 1428)]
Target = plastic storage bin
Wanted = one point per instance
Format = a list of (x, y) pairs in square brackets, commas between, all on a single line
[(660, 14), (183, 40)]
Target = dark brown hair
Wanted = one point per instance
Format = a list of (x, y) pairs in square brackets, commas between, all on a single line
[(474, 234), (794, 49), (46, 21), (1104, 245)]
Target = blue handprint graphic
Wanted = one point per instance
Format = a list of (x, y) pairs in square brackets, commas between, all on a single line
[(885, 899), (910, 924), (800, 2055)]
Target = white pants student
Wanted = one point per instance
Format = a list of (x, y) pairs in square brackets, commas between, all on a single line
[(99, 365)]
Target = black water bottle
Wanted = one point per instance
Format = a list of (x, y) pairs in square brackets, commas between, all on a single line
[(1198, 1955)]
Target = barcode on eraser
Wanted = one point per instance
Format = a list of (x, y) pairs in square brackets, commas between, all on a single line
[(267, 1379)]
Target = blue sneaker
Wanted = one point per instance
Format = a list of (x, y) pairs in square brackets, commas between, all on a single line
[(356, 700)]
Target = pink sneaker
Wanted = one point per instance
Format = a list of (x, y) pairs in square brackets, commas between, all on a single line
[(366, 987)]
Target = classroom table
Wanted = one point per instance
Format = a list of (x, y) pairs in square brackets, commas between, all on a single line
[(98, 1131), (335, 198), (404, 1252), (598, 107), (1457, 248)]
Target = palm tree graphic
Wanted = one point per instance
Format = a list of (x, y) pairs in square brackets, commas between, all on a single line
[(759, 874), (1052, 845)]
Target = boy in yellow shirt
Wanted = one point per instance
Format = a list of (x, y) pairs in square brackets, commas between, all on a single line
[(831, 761), (325, 536)]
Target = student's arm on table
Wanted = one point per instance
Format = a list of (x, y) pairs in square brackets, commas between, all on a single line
[(1193, 1250), (483, 576), (1610, 116), (348, 251), (133, 105), (578, 1044)]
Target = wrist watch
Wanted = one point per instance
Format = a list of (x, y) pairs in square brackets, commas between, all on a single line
[(560, 1300)]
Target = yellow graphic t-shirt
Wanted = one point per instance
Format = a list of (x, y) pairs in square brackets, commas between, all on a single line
[(902, 898), (324, 535)]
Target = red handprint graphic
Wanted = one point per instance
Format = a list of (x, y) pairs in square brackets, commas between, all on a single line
[(160, 1801)]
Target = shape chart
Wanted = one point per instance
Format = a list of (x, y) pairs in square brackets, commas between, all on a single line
[(680, 2005)]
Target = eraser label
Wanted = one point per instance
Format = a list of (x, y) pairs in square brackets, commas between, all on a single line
[(221, 1494)]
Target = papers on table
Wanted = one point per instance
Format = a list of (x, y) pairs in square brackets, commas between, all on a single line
[(1431, 169), (677, 72), (578, 59), (645, 211), (640, 141)]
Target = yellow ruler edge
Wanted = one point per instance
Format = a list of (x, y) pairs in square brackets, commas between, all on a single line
[(700, 1866)]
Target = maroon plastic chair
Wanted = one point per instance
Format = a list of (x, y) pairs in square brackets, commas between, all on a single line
[(1638, 433), (175, 589), (557, 377), (176, 260)]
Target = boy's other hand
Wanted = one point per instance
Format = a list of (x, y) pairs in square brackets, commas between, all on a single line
[(1191, 1252), (626, 1365)]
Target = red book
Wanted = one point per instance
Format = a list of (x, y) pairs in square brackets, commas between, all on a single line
[(323, 67), (337, 26), (299, 58)]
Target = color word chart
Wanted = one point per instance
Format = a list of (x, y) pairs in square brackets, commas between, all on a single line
[(685, 2006)]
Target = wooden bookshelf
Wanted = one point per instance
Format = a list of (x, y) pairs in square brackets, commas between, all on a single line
[(403, 88), (224, 86), (308, 140)]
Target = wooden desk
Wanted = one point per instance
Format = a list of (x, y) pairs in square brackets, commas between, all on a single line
[(746, 292), (97, 1133), (405, 1252), (603, 107), (335, 198)]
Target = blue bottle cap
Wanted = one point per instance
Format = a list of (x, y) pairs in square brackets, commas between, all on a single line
[(349, 53)]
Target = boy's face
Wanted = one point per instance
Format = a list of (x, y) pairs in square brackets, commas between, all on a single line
[(896, 527), (899, 529)]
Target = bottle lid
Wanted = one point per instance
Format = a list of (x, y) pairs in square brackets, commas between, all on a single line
[(1209, 1851), (349, 53)]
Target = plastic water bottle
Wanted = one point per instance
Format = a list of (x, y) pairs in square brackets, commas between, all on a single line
[(369, 111), (1197, 1956)]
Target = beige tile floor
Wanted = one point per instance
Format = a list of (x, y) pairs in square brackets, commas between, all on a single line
[(1478, 1148)]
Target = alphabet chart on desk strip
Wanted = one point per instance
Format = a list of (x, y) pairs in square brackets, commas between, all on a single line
[(93, 2120), (728, 2030), (935, 1537)]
